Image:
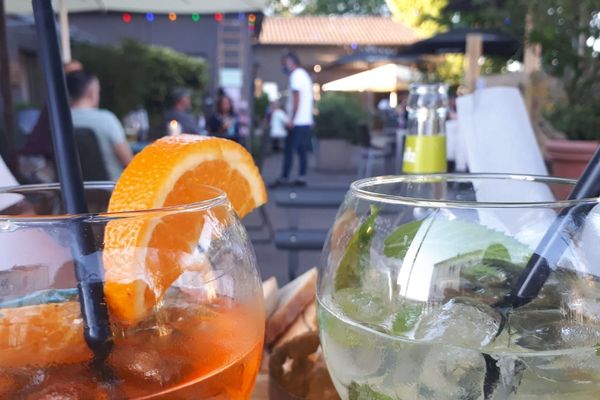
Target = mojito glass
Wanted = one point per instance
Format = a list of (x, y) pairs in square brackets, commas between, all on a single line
[(201, 337), (412, 275)]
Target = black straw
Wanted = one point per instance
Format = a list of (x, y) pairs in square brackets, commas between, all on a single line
[(88, 267), (556, 240)]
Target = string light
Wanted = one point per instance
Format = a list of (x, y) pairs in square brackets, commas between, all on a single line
[(252, 18), (218, 17), (126, 18), (172, 16), (195, 17), (149, 17)]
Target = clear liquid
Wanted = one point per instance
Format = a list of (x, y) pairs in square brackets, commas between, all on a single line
[(370, 364)]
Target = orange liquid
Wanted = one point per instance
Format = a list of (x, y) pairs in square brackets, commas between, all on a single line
[(183, 352)]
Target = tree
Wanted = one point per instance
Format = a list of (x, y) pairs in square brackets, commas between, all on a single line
[(569, 33), (134, 74), (423, 15), (327, 7)]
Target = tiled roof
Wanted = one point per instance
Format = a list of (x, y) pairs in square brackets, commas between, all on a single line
[(336, 30)]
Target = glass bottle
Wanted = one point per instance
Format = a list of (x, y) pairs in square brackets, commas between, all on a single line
[(425, 145)]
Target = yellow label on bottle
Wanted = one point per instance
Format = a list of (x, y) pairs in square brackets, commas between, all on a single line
[(424, 154)]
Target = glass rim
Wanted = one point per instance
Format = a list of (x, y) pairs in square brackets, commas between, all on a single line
[(220, 198), (360, 188)]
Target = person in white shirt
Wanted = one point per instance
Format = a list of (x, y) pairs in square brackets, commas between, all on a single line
[(278, 123), (300, 112)]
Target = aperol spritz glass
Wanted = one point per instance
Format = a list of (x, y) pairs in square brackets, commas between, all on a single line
[(198, 336)]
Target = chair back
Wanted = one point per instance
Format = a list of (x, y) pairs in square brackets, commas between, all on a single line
[(364, 135), (90, 156)]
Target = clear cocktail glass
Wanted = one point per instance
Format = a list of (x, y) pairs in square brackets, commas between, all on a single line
[(414, 269), (185, 303)]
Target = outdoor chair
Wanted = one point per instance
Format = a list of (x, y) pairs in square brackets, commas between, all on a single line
[(369, 152), (90, 157), (295, 239)]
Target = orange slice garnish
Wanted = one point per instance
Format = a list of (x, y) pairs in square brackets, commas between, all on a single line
[(143, 255), (38, 335)]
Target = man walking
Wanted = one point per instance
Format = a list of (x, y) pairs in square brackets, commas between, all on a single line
[(300, 112)]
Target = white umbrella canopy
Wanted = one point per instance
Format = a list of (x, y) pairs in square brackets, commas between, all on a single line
[(387, 78), (155, 6)]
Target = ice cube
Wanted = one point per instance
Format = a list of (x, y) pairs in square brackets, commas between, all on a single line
[(70, 391), (361, 306), (8, 385), (146, 365), (551, 330), (452, 373), (460, 321)]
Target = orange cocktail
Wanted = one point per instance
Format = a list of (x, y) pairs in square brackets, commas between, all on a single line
[(180, 281), (184, 351)]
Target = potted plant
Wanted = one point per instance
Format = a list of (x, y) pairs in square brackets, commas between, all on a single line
[(570, 36), (336, 128)]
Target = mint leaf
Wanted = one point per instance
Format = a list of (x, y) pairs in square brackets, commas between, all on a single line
[(444, 239), (496, 251), (398, 242), (365, 392), (356, 257), (406, 319)]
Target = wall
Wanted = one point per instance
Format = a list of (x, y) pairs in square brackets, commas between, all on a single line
[(267, 59), (197, 39)]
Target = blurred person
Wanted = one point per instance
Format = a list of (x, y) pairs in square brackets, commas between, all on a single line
[(84, 94), (224, 122), (300, 112), (36, 160), (278, 125), (180, 112)]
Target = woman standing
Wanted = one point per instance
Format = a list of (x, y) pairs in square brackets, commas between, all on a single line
[(224, 123)]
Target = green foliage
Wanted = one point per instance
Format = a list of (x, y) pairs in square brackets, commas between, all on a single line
[(580, 121), (135, 74), (562, 27), (261, 103), (327, 7), (365, 392), (339, 116), (423, 15)]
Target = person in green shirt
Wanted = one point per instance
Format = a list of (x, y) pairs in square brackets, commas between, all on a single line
[(84, 94)]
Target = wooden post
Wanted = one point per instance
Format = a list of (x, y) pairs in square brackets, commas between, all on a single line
[(532, 62), (6, 92), (65, 34), (474, 51), (532, 57)]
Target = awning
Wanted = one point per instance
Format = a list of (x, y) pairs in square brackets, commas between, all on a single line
[(368, 60), (143, 6), (387, 78)]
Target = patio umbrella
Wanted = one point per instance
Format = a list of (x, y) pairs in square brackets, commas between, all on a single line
[(495, 43), (65, 7), (368, 60), (386, 78)]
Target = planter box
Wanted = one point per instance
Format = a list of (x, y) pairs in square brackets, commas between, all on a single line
[(334, 155), (568, 158)]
